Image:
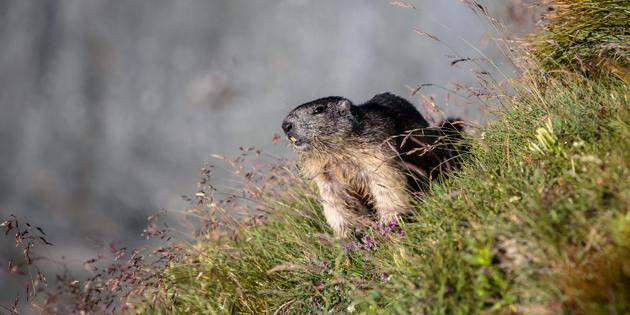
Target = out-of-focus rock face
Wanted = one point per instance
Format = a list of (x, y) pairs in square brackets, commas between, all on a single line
[(109, 108)]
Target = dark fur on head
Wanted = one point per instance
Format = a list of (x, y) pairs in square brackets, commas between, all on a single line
[(322, 122), (331, 120)]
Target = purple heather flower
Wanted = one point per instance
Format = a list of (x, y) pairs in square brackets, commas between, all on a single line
[(351, 247), (389, 227), (368, 243), (384, 276)]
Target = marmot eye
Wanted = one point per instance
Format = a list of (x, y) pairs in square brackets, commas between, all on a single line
[(319, 109)]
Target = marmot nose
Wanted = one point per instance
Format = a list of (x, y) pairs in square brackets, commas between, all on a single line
[(287, 126)]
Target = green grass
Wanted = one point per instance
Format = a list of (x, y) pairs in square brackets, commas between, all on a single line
[(536, 222), (587, 36)]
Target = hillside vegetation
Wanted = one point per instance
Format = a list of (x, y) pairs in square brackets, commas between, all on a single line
[(536, 222)]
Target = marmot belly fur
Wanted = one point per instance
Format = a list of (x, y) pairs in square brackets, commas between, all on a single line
[(366, 159)]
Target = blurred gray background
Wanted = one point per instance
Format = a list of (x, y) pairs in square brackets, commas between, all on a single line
[(108, 109)]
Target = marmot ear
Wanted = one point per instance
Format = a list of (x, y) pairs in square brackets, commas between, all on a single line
[(344, 107)]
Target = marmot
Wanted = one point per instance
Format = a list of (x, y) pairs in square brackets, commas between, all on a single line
[(365, 159)]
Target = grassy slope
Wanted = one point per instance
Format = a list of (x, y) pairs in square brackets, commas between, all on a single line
[(588, 36), (518, 229), (536, 222)]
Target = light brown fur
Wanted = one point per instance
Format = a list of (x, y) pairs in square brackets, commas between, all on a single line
[(353, 178)]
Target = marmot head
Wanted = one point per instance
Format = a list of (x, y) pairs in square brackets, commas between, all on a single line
[(320, 123)]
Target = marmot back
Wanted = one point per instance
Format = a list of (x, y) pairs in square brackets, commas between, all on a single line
[(406, 115), (366, 158)]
